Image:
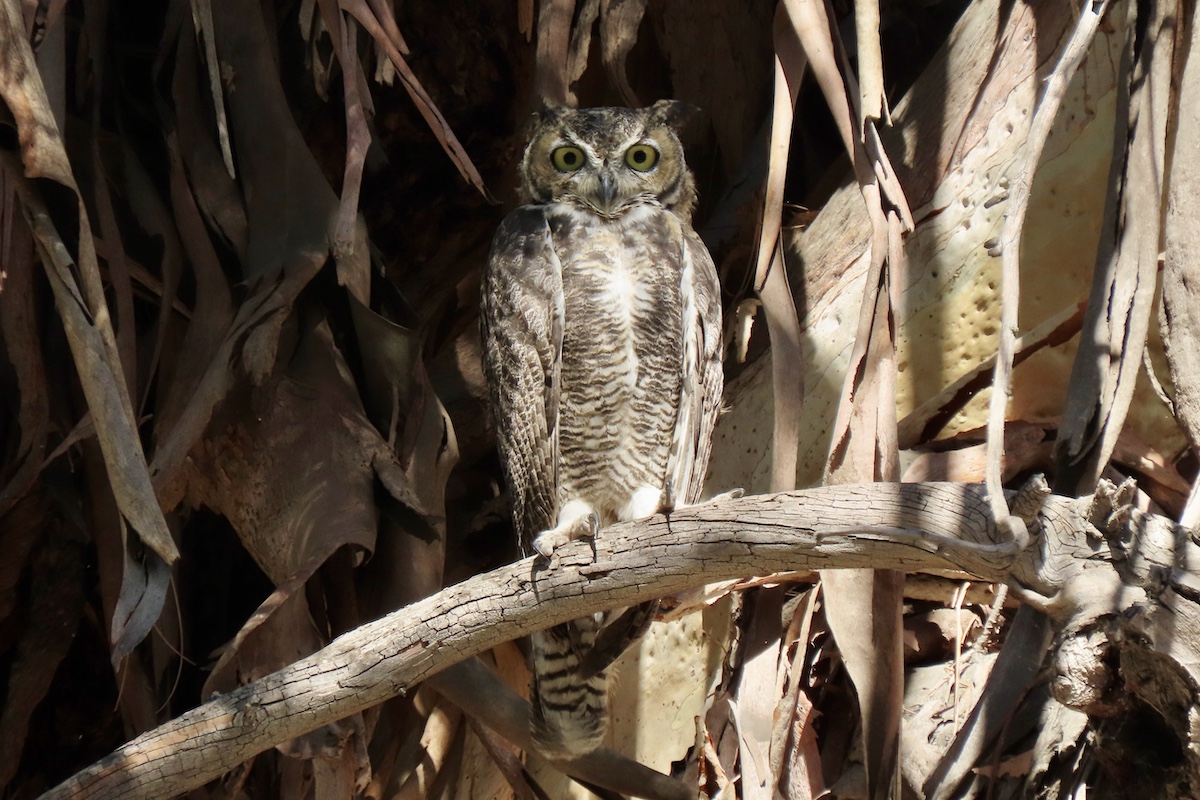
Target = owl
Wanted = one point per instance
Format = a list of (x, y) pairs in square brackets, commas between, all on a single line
[(601, 327)]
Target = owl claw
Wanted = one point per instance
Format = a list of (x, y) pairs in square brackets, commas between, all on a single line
[(585, 526), (732, 494)]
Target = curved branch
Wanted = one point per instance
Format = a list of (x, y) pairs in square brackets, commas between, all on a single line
[(910, 527)]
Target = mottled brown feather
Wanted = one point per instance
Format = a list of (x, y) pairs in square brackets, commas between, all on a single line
[(601, 325)]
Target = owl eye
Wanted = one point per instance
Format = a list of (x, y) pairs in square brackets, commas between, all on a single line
[(641, 157), (567, 159)]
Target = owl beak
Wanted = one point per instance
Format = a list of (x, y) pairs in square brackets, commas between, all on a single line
[(608, 191)]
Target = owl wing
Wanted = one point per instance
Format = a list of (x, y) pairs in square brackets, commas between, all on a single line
[(521, 324), (703, 377)]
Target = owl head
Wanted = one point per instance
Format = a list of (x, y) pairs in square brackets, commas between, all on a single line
[(610, 160)]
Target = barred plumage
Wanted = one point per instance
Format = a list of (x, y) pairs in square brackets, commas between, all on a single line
[(601, 325)]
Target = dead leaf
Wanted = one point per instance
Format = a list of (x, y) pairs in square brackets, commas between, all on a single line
[(217, 195), (288, 236), (292, 466), (144, 582), (189, 395), (83, 309), (935, 635), (795, 755), (119, 280), (202, 20), (802, 776), (437, 123), (752, 708), (294, 470), (399, 399), (155, 219), (348, 235)]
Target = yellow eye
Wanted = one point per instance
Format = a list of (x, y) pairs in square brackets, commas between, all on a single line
[(567, 159), (641, 157)]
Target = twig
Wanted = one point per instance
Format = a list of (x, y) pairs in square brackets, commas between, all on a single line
[(1010, 290), (872, 99)]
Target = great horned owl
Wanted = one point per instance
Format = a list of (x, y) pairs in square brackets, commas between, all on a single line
[(601, 323)]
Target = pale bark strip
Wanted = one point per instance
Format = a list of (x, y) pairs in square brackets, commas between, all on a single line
[(787, 371), (770, 281), (872, 99), (755, 687), (553, 47), (1010, 280), (1179, 314), (811, 25), (864, 607), (1022, 655), (910, 527), (1123, 287), (582, 23), (791, 63), (385, 13), (619, 24)]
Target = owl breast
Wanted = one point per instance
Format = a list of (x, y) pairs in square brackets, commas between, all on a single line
[(622, 352)]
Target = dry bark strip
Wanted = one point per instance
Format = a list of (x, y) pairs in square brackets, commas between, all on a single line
[(928, 527)]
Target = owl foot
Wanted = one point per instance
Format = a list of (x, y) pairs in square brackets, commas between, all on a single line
[(666, 498), (732, 494), (585, 526)]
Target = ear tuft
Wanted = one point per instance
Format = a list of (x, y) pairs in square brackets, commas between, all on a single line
[(545, 114), (548, 112), (673, 113)]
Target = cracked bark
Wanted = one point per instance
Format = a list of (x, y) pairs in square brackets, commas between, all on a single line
[(1086, 561)]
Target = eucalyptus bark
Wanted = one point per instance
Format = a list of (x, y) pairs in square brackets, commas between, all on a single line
[(1068, 570)]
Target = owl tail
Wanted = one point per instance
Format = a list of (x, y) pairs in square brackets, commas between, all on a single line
[(570, 712)]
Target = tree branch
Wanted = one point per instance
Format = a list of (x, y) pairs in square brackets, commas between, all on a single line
[(928, 527)]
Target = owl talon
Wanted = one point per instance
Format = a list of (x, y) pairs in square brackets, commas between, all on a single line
[(732, 494), (586, 526), (545, 543)]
